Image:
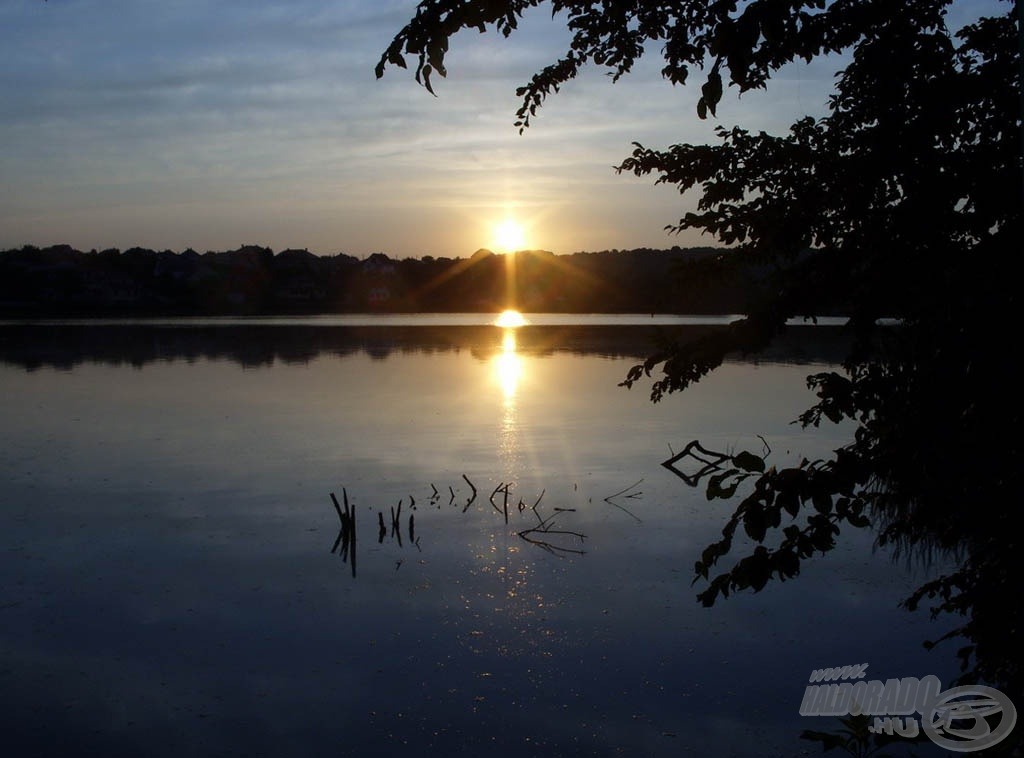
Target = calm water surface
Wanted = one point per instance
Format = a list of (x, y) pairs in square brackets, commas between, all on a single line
[(170, 586)]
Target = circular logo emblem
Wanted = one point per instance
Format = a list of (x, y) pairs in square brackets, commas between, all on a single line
[(958, 719)]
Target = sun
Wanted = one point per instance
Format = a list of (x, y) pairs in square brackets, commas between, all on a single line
[(509, 236)]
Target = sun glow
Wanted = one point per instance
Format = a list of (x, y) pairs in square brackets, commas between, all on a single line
[(509, 236), (509, 319), (508, 367)]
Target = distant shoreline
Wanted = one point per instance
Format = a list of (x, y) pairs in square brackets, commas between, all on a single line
[(61, 282), (403, 320)]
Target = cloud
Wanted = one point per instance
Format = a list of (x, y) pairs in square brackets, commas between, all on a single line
[(249, 111)]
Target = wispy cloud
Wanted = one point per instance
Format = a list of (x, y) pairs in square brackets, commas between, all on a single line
[(200, 123)]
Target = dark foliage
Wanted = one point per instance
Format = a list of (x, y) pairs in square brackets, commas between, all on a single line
[(59, 280)]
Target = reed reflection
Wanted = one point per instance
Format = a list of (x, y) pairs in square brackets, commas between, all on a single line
[(540, 532), (347, 532)]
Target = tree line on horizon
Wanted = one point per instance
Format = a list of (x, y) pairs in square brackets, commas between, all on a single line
[(62, 280)]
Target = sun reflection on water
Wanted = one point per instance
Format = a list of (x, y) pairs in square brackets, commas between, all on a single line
[(508, 366), (508, 371), (510, 318)]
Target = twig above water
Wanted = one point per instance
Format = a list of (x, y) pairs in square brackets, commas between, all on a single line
[(611, 501)]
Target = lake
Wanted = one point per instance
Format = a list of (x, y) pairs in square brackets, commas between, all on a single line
[(176, 582)]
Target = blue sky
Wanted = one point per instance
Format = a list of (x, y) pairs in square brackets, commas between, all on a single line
[(214, 124)]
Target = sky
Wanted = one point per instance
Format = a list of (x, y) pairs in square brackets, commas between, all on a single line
[(211, 125)]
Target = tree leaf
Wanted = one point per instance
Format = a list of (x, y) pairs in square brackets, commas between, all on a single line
[(748, 461)]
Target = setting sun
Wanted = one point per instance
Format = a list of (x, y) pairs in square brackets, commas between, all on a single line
[(509, 236)]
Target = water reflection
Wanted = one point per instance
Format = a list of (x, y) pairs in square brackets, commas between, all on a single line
[(169, 588), (508, 366), (508, 369), (346, 532), (64, 346)]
